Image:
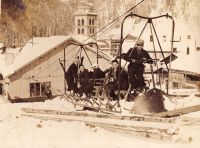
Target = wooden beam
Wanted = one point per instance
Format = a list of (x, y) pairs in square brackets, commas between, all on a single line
[(154, 130), (132, 117), (177, 112)]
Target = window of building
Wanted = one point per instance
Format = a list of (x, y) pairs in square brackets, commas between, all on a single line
[(79, 32), (189, 37), (92, 30), (79, 22), (90, 22), (82, 21), (175, 85), (198, 48), (82, 31), (192, 78), (188, 50), (39, 89), (164, 38)]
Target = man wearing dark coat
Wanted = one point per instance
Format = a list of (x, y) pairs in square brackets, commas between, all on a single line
[(113, 79), (137, 56), (71, 76), (96, 72), (84, 86), (96, 75)]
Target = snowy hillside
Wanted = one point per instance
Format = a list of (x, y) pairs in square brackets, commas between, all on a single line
[(56, 17)]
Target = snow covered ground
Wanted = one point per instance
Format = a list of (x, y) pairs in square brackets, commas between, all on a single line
[(17, 131), (181, 102)]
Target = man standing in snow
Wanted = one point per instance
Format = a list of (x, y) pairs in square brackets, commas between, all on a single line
[(137, 56)]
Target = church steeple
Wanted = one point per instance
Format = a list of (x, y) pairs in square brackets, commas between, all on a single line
[(86, 19)]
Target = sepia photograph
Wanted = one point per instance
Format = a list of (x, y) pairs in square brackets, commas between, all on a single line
[(99, 73)]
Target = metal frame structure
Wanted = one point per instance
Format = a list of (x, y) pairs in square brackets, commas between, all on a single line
[(149, 21), (82, 48)]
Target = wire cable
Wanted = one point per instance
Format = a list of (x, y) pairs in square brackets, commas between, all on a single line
[(119, 17), (105, 27)]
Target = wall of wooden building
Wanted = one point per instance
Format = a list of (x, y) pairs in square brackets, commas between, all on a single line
[(178, 80)]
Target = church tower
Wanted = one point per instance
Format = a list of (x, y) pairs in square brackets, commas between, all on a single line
[(86, 19)]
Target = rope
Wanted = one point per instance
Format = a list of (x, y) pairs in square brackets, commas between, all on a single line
[(155, 54), (159, 44)]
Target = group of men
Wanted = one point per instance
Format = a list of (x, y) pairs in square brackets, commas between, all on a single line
[(78, 77)]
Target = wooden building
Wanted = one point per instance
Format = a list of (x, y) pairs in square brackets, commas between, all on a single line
[(185, 79), (185, 71), (37, 66)]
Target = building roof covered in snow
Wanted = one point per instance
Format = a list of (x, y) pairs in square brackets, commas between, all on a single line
[(184, 62), (37, 47)]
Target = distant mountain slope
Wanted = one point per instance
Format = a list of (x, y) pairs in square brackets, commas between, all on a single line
[(55, 17), (22, 19)]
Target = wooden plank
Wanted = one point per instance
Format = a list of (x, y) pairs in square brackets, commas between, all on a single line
[(101, 115), (177, 112), (158, 132), (151, 129), (134, 132), (125, 123)]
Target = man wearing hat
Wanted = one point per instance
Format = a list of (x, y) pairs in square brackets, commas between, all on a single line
[(137, 56), (113, 78)]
